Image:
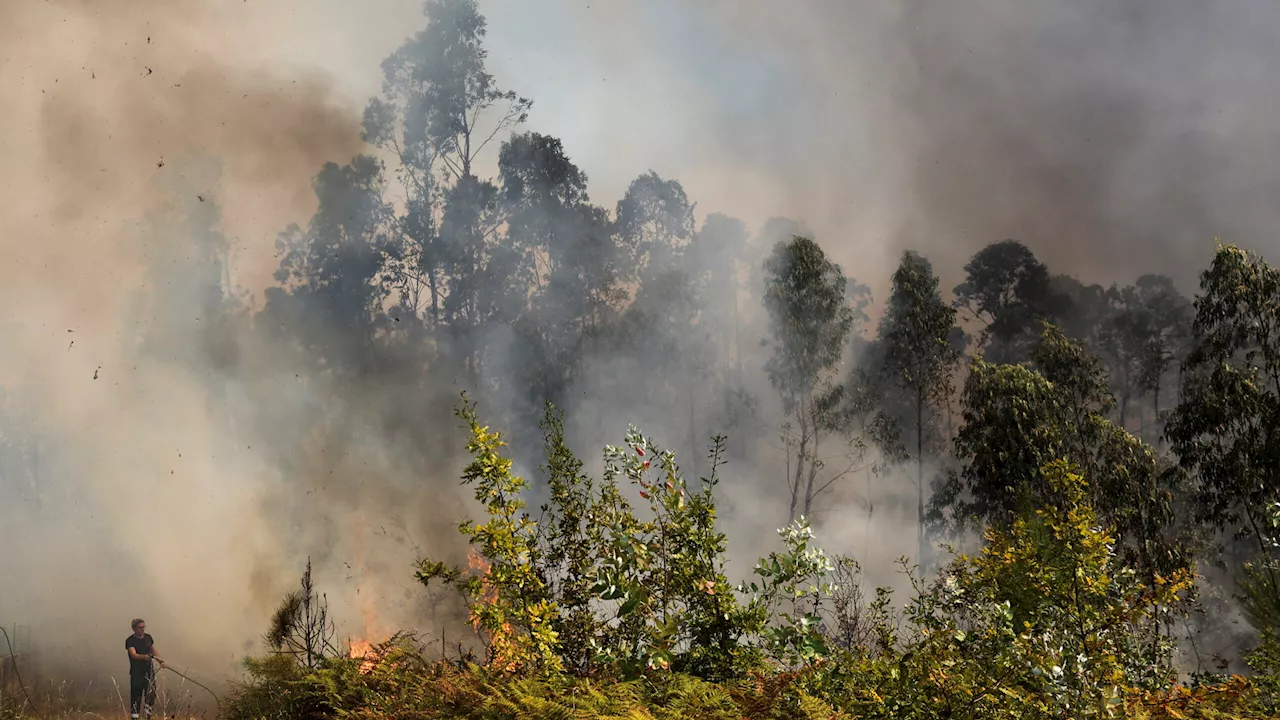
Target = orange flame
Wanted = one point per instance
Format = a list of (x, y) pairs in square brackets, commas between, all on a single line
[(363, 651), (363, 647), (501, 644)]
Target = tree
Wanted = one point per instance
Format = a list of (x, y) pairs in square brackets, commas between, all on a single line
[(1018, 418), (1226, 429), (439, 109), (567, 244), (918, 355), (330, 299), (655, 223), (1087, 305), (665, 325), (810, 322), (717, 252), (1141, 334), (1007, 289), (437, 89), (301, 627)]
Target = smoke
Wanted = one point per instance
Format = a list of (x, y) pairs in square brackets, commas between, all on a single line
[(1113, 139), (138, 502), (145, 142)]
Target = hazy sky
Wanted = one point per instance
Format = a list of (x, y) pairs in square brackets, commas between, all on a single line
[(1134, 132), (685, 89), (1114, 138)]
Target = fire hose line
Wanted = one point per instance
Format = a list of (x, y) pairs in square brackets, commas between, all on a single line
[(14, 656), (27, 696), (198, 684)]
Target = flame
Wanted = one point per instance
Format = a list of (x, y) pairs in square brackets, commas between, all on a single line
[(363, 647), (501, 644), (363, 651)]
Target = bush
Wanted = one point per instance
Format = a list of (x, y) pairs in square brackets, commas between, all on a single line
[(594, 611)]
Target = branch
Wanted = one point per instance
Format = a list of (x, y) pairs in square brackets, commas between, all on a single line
[(841, 474)]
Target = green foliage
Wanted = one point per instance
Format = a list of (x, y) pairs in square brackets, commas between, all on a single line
[(509, 600), (1146, 328), (1047, 621), (809, 320), (663, 578), (919, 358), (1008, 290), (1018, 418), (916, 330), (1225, 430), (790, 591)]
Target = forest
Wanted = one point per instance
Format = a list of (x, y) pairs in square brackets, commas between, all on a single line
[(1092, 474)]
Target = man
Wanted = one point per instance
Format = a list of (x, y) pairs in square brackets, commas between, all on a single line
[(142, 687)]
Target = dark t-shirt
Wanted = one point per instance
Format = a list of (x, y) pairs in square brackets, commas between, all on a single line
[(143, 646)]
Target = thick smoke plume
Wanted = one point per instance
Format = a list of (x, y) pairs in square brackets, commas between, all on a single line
[(145, 142), (133, 499)]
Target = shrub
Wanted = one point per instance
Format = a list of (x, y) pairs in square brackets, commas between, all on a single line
[(595, 611)]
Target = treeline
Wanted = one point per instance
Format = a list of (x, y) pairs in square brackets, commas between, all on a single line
[(1110, 441), (418, 275)]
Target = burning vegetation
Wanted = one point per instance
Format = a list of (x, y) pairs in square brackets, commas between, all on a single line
[(593, 612), (1110, 453)]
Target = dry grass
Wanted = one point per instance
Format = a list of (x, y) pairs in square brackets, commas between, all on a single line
[(175, 699)]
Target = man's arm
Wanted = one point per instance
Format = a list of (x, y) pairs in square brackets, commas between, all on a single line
[(156, 657)]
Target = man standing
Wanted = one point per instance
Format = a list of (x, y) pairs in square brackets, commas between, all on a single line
[(142, 650)]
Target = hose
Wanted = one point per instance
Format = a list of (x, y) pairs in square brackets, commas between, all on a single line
[(198, 684), (14, 656)]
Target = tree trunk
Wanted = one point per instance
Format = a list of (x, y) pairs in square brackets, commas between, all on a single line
[(693, 432), (920, 474), (800, 454), (1159, 429), (813, 473)]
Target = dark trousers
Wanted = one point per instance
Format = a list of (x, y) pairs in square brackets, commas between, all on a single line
[(142, 688)]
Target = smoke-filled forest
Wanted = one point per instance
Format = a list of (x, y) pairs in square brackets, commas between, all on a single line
[(391, 412)]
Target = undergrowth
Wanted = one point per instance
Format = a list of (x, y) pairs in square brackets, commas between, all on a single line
[(599, 609)]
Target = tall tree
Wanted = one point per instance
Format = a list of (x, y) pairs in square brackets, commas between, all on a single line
[(1020, 417), (1226, 429), (655, 222), (1088, 306), (439, 109), (1007, 290), (810, 323), (718, 254), (567, 245), (916, 333), (330, 300), (665, 323), (1144, 331)]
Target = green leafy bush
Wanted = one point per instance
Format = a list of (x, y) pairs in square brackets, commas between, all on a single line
[(598, 609)]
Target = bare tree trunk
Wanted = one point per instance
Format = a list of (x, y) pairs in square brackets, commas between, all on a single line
[(813, 473), (1159, 428), (920, 473), (693, 431), (802, 421)]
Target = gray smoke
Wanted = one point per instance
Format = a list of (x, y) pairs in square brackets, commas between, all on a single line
[(146, 142)]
